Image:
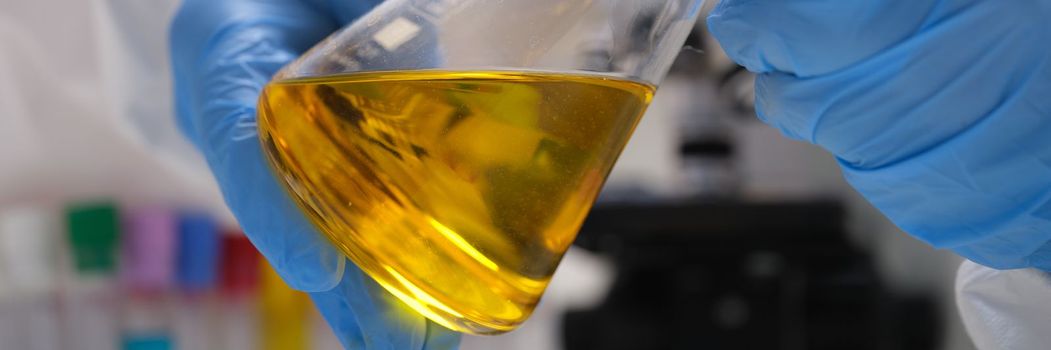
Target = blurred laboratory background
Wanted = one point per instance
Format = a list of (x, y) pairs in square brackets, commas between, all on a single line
[(713, 232)]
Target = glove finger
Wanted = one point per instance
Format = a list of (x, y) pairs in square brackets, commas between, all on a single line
[(365, 316), (223, 54), (935, 130), (333, 307), (807, 38), (913, 95)]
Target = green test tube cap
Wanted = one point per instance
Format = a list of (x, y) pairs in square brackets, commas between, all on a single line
[(93, 233)]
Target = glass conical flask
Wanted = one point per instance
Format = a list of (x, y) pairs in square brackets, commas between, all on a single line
[(452, 148)]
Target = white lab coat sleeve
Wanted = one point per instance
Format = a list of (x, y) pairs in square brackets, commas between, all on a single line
[(1005, 309)]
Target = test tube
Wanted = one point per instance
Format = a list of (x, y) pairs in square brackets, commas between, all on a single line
[(239, 276), (284, 313), (28, 239), (144, 323), (197, 273), (148, 273), (7, 318), (89, 301)]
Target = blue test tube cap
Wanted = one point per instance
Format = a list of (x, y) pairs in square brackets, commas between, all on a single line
[(198, 252)]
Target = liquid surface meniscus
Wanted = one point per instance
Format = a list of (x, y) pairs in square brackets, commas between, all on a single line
[(458, 191)]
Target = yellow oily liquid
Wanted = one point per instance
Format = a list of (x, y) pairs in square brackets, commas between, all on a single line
[(458, 191)]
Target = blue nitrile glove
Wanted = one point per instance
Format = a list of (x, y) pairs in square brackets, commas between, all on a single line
[(223, 52), (938, 111)]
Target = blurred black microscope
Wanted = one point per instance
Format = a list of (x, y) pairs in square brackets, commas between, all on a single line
[(711, 270)]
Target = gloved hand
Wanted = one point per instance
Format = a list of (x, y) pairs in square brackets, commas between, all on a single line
[(939, 112), (223, 52)]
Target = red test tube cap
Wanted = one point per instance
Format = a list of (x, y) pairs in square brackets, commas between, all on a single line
[(239, 274)]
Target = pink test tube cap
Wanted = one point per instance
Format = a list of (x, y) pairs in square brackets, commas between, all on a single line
[(149, 249)]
